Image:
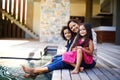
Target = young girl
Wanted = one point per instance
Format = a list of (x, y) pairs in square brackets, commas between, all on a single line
[(57, 62), (83, 44)]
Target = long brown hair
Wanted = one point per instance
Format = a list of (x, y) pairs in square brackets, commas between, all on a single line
[(88, 36)]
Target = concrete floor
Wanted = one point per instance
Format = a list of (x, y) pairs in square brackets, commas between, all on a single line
[(17, 49)]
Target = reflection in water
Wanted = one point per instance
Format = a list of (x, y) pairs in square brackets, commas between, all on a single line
[(11, 74), (15, 74)]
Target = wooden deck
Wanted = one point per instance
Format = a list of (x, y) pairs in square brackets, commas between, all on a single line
[(107, 67)]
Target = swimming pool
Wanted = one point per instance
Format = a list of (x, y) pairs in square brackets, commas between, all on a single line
[(13, 71)]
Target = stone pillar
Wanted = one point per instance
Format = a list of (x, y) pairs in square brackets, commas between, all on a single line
[(54, 14)]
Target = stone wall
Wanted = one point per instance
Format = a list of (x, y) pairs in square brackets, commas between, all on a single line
[(54, 14)]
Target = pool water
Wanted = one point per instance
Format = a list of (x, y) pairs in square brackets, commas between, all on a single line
[(16, 73), (10, 74)]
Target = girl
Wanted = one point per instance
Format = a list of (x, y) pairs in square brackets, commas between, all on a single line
[(57, 62), (84, 45)]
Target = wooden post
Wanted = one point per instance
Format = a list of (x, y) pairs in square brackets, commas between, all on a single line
[(1, 19)]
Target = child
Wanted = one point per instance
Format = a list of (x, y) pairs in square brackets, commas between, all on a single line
[(67, 35), (56, 62), (83, 44)]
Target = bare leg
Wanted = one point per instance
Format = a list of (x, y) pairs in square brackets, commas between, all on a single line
[(78, 62)]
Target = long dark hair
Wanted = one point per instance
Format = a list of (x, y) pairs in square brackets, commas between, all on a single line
[(75, 21), (63, 36), (88, 35), (62, 32)]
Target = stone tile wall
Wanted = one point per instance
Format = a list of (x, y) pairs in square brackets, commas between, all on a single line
[(54, 14)]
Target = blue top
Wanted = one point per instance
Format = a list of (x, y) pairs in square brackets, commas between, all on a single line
[(69, 44)]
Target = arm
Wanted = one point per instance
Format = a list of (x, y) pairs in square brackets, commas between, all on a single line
[(73, 44), (89, 49)]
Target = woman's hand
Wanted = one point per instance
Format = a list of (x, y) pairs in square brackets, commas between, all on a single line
[(74, 49)]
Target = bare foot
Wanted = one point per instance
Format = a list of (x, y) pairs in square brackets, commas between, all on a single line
[(27, 76), (75, 71), (81, 69), (30, 76), (27, 70)]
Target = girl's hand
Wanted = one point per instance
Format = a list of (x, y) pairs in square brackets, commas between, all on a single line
[(78, 47)]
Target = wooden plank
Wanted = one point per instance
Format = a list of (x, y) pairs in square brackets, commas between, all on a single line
[(18, 32), (117, 70), (114, 73), (84, 76), (5, 27), (9, 28), (110, 70), (23, 12), (99, 74), (23, 34), (1, 6), (19, 9), (107, 74), (111, 53), (75, 76), (109, 47), (6, 2), (14, 9), (92, 75), (65, 74), (13, 30), (10, 6), (105, 63), (109, 59), (56, 75)]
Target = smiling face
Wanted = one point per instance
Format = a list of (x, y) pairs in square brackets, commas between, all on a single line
[(74, 27), (83, 31), (67, 34)]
